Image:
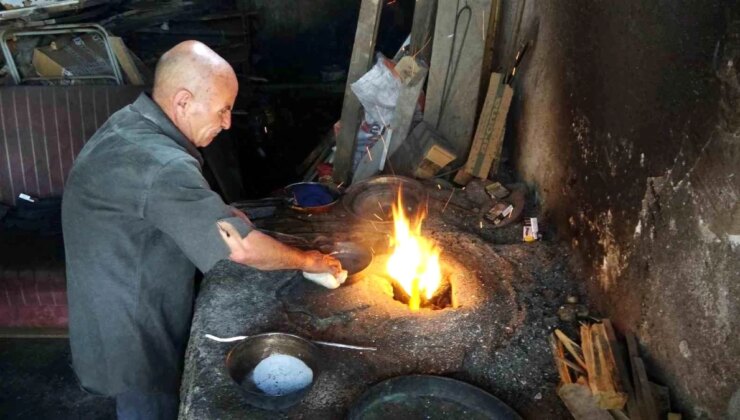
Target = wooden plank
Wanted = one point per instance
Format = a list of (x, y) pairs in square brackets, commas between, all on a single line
[(580, 403), (422, 29), (559, 356), (488, 53), (360, 62), (572, 348), (485, 153), (649, 409), (456, 69), (662, 399), (572, 365), (588, 357), (128, 65), (643, 392), (610, 394), (633, 411)]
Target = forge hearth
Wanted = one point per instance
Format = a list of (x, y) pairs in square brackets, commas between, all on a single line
[(482, 338), (445, 297), (441, 299)]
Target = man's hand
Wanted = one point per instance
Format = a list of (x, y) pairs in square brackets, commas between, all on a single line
[(316, 262)]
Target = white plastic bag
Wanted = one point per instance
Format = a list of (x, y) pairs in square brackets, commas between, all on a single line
[(378, 91)]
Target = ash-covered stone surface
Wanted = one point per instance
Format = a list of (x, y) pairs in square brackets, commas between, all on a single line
[(506, 298)]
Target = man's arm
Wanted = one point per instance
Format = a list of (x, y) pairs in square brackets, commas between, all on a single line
[(265, 253)]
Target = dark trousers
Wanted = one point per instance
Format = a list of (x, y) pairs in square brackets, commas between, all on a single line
[(133, 405)]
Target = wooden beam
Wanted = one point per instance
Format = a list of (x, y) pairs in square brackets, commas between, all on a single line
[(610, 394), (422, 29), (662, 399), (457, 67), (360, 62), (633, 411), (485, 153), (643, 391), (559, 356), (572, 348)]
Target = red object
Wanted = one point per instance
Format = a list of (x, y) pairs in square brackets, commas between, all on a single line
[(325, 170), (33, 298)]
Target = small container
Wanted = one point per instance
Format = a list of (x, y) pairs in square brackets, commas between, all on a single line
[(245, 356)]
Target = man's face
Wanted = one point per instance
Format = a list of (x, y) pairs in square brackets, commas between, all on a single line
[(208, 112)]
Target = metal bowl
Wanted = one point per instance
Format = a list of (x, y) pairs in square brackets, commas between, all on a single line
[(354, 257), (426, 396), (244, 357), (292, 192)]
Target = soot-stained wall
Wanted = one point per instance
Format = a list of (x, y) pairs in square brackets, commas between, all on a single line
[(626, 122)]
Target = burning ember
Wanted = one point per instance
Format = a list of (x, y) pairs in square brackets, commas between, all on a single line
[(414, 261)]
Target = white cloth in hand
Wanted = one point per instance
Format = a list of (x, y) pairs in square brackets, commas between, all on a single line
[(327, 279)]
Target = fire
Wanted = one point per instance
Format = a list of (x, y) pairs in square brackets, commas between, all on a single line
[(414, 263)]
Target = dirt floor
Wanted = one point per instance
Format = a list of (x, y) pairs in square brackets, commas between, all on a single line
[(38, 383)]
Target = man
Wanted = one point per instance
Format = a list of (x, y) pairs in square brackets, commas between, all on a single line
[(138, 218)]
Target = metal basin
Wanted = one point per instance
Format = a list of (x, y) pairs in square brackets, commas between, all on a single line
[(429, 397), (371, 199), (244, 357)]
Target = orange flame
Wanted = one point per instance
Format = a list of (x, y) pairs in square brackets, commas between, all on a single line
[(414, 263)]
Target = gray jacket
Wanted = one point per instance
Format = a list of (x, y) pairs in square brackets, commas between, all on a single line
[(138, 217)]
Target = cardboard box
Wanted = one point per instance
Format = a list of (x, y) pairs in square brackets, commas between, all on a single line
[(435, 158), (485, 153), (424, 153), (73, 56)]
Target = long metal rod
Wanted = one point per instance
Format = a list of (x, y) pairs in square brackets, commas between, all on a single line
[(345, 346), (322, 343)]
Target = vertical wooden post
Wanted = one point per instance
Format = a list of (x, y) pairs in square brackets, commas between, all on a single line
[(422, 29), (456, 72), (362, 59)]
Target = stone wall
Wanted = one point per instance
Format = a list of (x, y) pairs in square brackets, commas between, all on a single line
[(626, 123)]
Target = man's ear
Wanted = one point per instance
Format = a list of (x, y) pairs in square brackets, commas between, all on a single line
[(180, 101)]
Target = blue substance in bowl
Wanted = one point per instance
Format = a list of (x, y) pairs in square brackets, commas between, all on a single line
[(311, 195)]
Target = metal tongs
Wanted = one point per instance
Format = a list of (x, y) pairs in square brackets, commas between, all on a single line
[(322, 343)]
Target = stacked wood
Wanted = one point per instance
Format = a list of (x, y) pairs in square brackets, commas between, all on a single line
[(601, 368), (597, 383)]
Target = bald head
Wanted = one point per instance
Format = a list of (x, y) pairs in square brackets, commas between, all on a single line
[(196, 88)]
